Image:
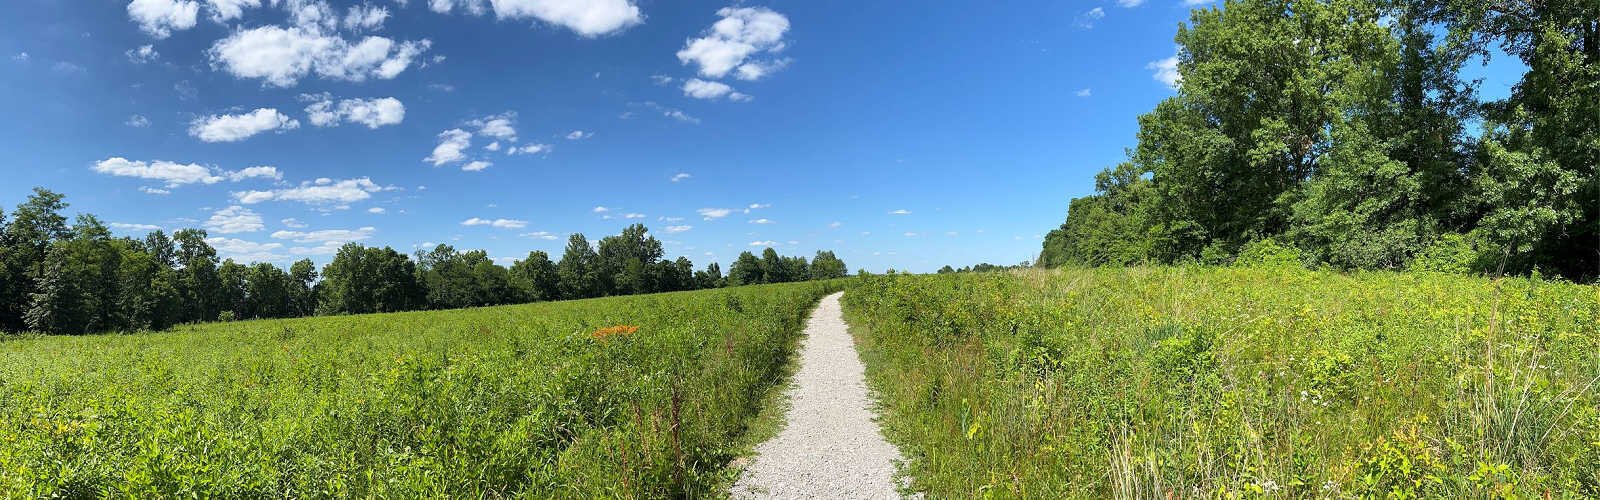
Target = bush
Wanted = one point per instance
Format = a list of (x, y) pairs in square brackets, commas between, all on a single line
[(1268, 253), (1451, 253)]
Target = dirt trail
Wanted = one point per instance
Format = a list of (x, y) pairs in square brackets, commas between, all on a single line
[(830, 446)]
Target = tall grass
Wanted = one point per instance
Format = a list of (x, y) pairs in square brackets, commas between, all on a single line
[(1224, 382), (536, 400)]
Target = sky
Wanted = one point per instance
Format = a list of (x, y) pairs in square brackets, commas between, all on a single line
[(905, 135)]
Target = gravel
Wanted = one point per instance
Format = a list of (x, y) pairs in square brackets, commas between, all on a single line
[(830, 447)]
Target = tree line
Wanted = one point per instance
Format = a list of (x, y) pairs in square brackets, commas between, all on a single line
[(1343, 133), (77, 278)]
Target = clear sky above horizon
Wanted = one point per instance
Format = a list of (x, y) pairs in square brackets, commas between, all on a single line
[(904, 135)]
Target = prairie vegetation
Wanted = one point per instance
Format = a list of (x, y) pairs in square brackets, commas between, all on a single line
[(642, 396), (1188, 382)]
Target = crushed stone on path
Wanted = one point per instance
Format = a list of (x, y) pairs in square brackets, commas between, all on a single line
[(830, 447)]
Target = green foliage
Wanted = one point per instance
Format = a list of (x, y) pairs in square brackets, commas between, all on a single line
[(512, 401), (1267, 253), (1451, 253), (1340, 127), (1229, 382)]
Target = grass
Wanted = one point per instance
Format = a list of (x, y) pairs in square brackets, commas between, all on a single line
[(505, 401), (1187, 382)]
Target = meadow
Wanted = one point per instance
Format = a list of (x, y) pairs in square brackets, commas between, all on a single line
[(1192, 382), (640, 396)]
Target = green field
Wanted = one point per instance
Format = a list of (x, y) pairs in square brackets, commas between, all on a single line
[(502, 401), (1190, 382)]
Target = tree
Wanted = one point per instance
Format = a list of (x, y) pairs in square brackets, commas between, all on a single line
[(232, 290), (536, 277), (268, 292), (625, 261), (711, 277), (746, 270), (825, 265), (76, 289), (34, 226), (577, 269), (198, 284), (302, 291)]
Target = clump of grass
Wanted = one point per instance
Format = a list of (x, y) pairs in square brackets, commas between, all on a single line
[(641, 396), (1273, 381)]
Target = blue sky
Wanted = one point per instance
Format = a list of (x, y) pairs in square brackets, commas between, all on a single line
[(905, 135)]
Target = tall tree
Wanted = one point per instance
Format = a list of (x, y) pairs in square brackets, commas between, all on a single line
[(746, 270), (34, 226), (577, 269), (537, 278), (826, 265)]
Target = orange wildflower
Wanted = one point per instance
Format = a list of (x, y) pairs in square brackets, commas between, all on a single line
[(613, 331)]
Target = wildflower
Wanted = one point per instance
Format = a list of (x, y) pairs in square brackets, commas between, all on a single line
[(612, 331)]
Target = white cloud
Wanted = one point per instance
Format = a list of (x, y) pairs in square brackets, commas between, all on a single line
[(476, 166), (835, 225), (714, 213), (154, 191), (20, 57), (501, 126), (900, 212), (658, 79), (757, 206), (764, 243), (1084, 92), (578, 135), (543, 235), (292, 223), (68, 68), (376, 210), (172, 173), (1166, 72), (680, 177), (678, 229), (373, 113), (910, 234), (1194, 3), (137, 121), (493, 146), (231, 128), (143, 54), (499, 223), (452, 144), (160, 18), (1086, 20), (265, 172), (326, 236), (600, 210), (365, 17), (245, 251), (730, 43), (1133, 3), (322, 191), (134, 227), (702, 89), (225, 10), (672, 113), (633, 216), (528, 149), (952, 233), (762, 220), (234, 219), (588, 18), (282, 56)]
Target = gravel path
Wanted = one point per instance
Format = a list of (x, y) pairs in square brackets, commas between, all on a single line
[(830, 447)]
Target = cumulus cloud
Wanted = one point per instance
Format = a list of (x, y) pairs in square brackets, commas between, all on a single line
[(761, 221), (703, 89), (326, 236), (528, 149), (159, 18), (292, 223), (232, 128), (134, 227), (714, 213), (900, 212), (680, 177), (633, 215), (1166, 72), (282, 56), (246, 251), (322, 191), (499, 223), (1087, 20), (501, 126), (600, 210), (452, 147), (365, 17), (1133, 3), (543, 235), (588, 18), (142, 54), (261, 172), (376, 210), (234, 219), (476, 166), (374, 113), (225, 10), (678, 229), (578, 135), (137, 121), (154, 191), (764, 243), (1084, 92), (172, 173), (734, 41)]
